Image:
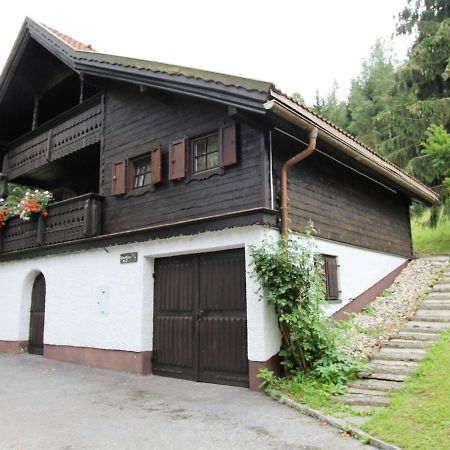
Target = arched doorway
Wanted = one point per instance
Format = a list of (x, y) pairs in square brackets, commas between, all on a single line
[(37, 317)]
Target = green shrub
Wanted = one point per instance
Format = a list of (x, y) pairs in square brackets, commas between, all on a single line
[(290, 272)]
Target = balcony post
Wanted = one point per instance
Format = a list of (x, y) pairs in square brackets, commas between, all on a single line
[(48, 156), (87, 232), (40, 236), (4, 191), (96, 217), (4, 177)]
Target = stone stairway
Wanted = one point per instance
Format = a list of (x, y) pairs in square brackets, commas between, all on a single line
[(386, 371)]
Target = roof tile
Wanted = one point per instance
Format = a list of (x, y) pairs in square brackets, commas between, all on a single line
[(76, 45), (353, 138)]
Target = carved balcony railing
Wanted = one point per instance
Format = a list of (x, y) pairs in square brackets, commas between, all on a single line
[(69, 132), (69, 220)]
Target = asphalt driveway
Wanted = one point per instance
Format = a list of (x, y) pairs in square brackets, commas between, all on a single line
[(51, 405)]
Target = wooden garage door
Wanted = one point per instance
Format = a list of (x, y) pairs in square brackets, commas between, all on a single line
[(200, 319)]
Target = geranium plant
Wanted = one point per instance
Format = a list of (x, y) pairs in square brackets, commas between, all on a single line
[(35, 202)]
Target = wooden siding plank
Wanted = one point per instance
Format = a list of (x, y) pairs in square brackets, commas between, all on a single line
[(137, 122), (345, 206)]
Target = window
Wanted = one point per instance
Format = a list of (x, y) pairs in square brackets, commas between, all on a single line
[(203, 156), (141, 172), (138, 175), (330, 268), (206, 153)]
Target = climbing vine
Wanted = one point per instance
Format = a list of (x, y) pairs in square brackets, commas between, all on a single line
[(290, 272)]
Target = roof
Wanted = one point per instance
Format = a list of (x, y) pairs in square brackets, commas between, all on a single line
[(74, 44), (361, 149), (243, 93)]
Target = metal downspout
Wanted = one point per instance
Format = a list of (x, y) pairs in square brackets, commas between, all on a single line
[(284, 173)]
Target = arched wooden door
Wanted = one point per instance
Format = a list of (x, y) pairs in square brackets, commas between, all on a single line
[(37, 317)]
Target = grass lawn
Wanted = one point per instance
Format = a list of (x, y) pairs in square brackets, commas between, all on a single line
[(419, 416), (427, 240)]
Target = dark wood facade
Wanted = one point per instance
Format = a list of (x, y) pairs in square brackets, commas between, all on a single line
[(83, 149), (344, 205), (136, 123)]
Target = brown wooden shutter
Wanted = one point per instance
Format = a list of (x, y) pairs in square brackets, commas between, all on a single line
[(331, 279), (119, 177), (177, 159), (156, 165), (227, 143)]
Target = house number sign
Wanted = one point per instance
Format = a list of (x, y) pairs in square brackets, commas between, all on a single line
[(126, 258)]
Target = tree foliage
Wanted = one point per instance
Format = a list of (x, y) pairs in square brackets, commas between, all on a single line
[(434, 163), (369, 94), (403, 110), (427, 69), (331, 107)]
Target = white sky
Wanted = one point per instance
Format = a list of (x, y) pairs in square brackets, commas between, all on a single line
[(299, 45)]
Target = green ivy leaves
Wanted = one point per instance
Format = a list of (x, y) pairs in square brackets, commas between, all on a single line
[(290, 272)]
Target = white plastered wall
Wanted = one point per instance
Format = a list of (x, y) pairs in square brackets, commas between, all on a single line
[(358, 269), (94, 301)]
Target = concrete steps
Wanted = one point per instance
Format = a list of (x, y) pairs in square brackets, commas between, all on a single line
[(400, 357), (426, 327), (364, 400), (375, 385), (384, 376), (441, 287), (435, 306), (408, 343), (366, 408), (439, 295), (414, 336), (424, 315), (395, 354), (369, 392), (387, 370)]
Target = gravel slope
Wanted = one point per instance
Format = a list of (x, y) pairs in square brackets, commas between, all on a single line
[(382, 319)]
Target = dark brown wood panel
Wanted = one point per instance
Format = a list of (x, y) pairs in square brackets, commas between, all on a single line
[(75, 129), (331, 277), (68, 220), (136, 123), (37, 316), (175, 316), (223, 326), (200, 318), (343, 205)]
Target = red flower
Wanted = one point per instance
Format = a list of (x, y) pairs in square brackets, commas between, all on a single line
[(45, 213)]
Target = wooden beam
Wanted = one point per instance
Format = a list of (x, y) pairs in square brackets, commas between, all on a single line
[(5, 191), (34, 123), (81, 88)]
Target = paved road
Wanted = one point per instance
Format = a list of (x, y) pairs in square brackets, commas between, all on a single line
[(50, 405)]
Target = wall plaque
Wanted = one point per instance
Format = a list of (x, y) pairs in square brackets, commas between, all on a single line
[(126, 258)]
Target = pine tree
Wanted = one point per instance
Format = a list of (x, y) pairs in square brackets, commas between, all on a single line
[(369, 95), (331, 107)]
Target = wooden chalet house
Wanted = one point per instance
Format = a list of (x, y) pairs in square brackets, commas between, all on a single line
[(163, 177)]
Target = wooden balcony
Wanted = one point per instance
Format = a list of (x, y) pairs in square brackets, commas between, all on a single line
[(69, 220), (73, 130)]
